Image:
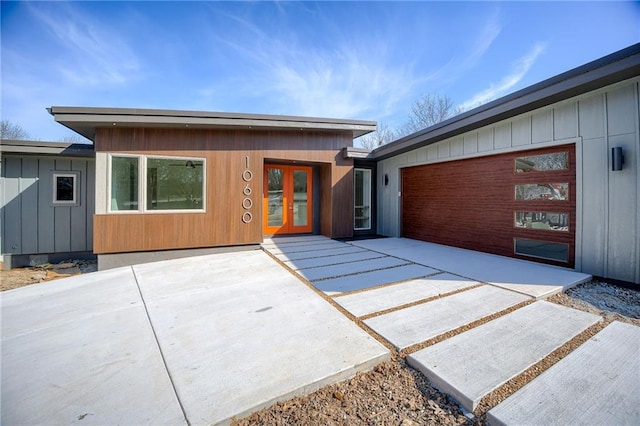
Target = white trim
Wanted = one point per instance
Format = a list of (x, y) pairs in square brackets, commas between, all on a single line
[(577, 244), (76, 188)]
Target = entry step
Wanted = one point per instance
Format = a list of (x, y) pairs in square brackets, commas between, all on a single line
[(473, 364)]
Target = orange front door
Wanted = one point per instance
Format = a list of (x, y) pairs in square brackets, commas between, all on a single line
[(287, 199)]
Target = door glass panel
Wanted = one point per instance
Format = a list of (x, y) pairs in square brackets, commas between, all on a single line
[(362, 199), (275, 194), (300, 195)]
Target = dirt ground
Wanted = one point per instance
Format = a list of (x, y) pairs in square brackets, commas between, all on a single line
[(393, 393), (20, 277)]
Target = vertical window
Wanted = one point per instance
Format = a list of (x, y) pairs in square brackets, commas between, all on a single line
[(65, 188), (124, 183), (362, 199)]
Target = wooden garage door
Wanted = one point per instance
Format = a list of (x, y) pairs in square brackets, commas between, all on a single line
[(518, 204)]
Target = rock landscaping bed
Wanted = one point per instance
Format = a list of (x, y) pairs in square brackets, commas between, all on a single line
[(20, 277), (396, 394)]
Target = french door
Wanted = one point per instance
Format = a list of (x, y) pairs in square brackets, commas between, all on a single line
[(287, 199)]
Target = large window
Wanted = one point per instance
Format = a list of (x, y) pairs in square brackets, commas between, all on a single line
[(168, 184), (362, 199)]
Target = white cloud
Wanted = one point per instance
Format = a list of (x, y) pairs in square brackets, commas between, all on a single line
[(91, 54), (519, 70)]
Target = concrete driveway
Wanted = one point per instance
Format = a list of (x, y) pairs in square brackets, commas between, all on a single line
[(195, 340)]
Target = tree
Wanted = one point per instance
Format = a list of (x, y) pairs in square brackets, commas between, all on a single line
[(12, 131), (74, 139), (427, 111), (380, 136)]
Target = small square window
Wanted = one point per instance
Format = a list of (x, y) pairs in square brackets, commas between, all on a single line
[(65, 188)]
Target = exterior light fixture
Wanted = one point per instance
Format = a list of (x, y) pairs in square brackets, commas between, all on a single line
[(386, 179), (617, 158)]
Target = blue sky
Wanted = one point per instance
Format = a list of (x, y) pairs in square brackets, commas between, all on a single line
[(361, 60)]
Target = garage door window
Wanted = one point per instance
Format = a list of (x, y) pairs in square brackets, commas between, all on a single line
[(543, 163), (542, 249), (542, 191), (543, 221)]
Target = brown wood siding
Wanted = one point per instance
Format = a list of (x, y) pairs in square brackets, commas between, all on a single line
[(471, 203), (225, 152)]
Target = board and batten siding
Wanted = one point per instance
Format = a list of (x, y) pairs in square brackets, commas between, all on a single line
[(31, 224), (608, 205)]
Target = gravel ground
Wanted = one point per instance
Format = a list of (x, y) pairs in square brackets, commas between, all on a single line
[(396, 394)]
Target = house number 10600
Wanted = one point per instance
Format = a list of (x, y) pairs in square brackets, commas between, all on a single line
[(247, 203)]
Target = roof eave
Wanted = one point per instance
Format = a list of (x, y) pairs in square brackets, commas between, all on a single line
[(620, 66), (85, 120)]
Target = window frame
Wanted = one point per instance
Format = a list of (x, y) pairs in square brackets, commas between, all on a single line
[(55, 174), (142, 183)]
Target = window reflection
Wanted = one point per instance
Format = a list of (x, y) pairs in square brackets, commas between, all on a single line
[(542, 220), (544, 162), (542, 191)]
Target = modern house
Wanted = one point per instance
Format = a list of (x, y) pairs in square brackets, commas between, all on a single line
[(549, 173)]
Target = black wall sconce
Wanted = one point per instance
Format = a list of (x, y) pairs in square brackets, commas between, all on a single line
[(617, 158), (386, 179)]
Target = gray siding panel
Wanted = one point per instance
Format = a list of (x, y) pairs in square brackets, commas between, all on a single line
[(12, 206), (621, 111), (46, 219), (29, 204), (592, 118), (30, 223), (594, 206), (521, 132), (565, 122), (542, 126), (623, 190)]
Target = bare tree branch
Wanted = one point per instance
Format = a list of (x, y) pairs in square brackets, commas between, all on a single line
[(427, 111), (375, 139), (12, 131)]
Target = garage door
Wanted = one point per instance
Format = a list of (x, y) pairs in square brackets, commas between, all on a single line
[(518, 204)]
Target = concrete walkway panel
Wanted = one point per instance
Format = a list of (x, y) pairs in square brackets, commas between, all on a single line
[(332, 260), (293, 239), (380, 299), (342, 250), (235, 344), (372, 279), (472, 364), (531, 278), (81, 350), (354, 267), (422, 322), (597, 384), (319, 246)]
